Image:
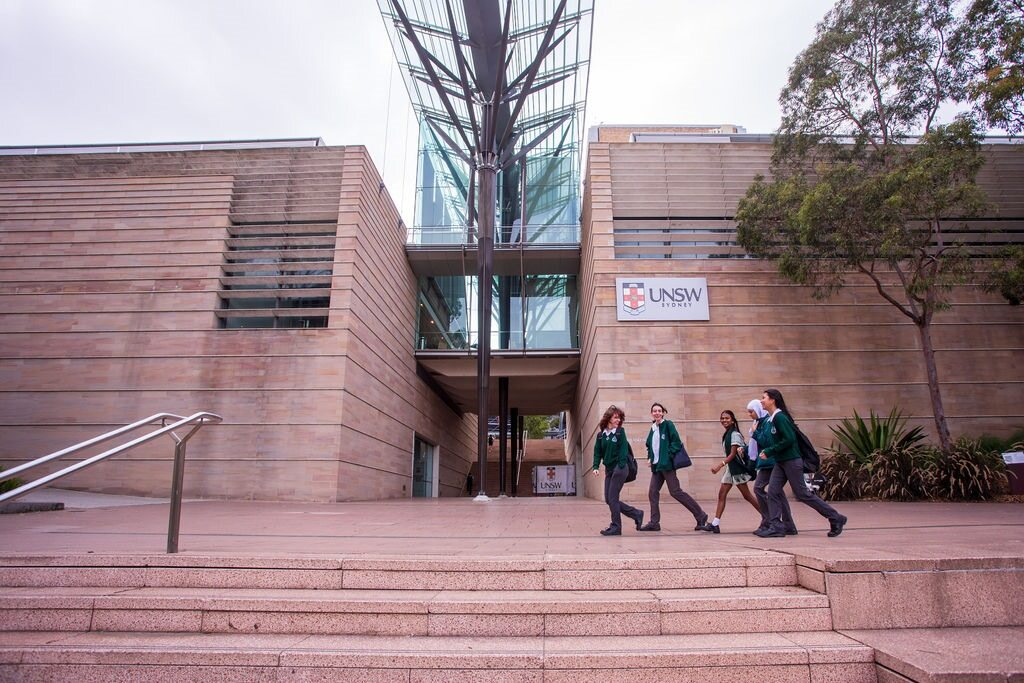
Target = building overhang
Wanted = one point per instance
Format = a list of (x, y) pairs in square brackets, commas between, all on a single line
[(461, 260), (539, 382)]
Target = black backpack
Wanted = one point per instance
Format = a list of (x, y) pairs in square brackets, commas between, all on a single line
[(749, 466), (631, 466), (807, 453)]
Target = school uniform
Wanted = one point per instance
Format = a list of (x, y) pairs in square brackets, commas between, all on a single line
[(610, 449), (763, 436), (663, 443), (735, 472), (790, 467)]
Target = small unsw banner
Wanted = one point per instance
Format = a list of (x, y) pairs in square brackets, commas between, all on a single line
[(555, 479), (662, 298)]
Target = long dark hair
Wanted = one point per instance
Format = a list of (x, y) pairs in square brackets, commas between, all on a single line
[(608, 414), (780, 403), (734, 426)]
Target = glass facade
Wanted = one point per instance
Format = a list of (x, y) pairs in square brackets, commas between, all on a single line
[(541, 315), (457, 55), (551, 185)]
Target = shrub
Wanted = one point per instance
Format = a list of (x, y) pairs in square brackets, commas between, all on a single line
[(9, 484), (844, 477), (862, 440), (995, 443), (900, 473), (968, 472)]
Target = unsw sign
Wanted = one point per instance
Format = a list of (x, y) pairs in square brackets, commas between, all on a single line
[(662, 298)]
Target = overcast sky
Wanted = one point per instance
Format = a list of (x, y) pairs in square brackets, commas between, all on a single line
[(101, 71)]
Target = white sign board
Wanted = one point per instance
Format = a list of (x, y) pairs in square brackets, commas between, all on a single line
[(661, 298), (554, 479)]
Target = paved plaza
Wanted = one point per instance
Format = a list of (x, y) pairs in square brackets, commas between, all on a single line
[(953, 568)]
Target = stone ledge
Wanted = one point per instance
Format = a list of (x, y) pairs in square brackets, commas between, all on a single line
[(947, 655)]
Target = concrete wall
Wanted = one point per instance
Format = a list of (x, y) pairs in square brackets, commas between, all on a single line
[(111, 269), (852, 352)]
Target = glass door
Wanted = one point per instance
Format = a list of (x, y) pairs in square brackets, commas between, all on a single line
[(422, 469)]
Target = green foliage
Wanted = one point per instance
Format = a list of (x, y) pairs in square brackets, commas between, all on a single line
[(862, 440), (987, 50), (968, 472), (1006, 275), (9, 484), (900, 473), (1013, 442), (845, 478), (875, 71), (536, 425), (883, 459)]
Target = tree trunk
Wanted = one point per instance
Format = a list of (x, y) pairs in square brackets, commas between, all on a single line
[(924, 329)]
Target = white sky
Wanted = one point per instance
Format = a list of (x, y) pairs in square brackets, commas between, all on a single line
[(103, 71)]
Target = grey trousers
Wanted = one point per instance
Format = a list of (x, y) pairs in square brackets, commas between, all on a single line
[(677, 492), (614, 480), (793, 472), (760, 484)]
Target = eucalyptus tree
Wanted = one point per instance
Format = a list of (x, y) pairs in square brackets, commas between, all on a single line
[(864, 181), (988, 51)]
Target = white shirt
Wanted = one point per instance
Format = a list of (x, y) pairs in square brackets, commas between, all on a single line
[(655, 441)]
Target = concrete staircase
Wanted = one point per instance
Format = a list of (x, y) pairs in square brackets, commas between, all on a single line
[(731, 616)]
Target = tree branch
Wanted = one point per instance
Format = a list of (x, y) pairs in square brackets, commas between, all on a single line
[(884, 294)]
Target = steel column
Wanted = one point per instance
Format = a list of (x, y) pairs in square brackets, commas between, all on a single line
[(515, 450), (487, 173)]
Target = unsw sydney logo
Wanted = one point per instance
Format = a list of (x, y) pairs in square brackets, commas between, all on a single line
[(635, 297)]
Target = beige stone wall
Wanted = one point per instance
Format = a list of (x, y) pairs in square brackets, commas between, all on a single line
[(110, 268), (622, 133), (385, 404), (852, 352)]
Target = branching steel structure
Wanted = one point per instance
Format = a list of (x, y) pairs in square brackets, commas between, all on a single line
[(492, 80)]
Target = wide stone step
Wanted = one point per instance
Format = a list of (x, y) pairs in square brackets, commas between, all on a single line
[(737, 657), (411, 612), (683, 570)]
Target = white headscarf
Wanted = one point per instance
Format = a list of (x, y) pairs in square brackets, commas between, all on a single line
[(758, 409)]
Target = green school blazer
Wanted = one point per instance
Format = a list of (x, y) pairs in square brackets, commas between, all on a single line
[(670, 445), (763, 437), (784, 446), (611, 450)]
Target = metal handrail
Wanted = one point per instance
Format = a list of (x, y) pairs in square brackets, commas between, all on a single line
[(197, 420)]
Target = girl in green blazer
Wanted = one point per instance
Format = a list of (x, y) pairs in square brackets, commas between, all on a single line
[(789, 467), (760, 434), (611, 448), (735, 452), (663, 443)]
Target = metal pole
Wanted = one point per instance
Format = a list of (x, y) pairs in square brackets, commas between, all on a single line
[(515, 450), (488, 175), (503, 429), (177, 483)]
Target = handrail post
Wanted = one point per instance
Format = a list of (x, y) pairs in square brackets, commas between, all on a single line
[(177, 483)]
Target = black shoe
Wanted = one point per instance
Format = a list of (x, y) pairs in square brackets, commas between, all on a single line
[(611, 531), (837, 527), (792, 532), (759, 529), (639, 519), (701, 523), (770, 533), (713, 528), (650, 526)]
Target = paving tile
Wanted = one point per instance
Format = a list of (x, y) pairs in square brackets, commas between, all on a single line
[(132, 673), (631, 623), (314, 623), (746, 621), (948, 654), (748, 673), (51, 619)]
